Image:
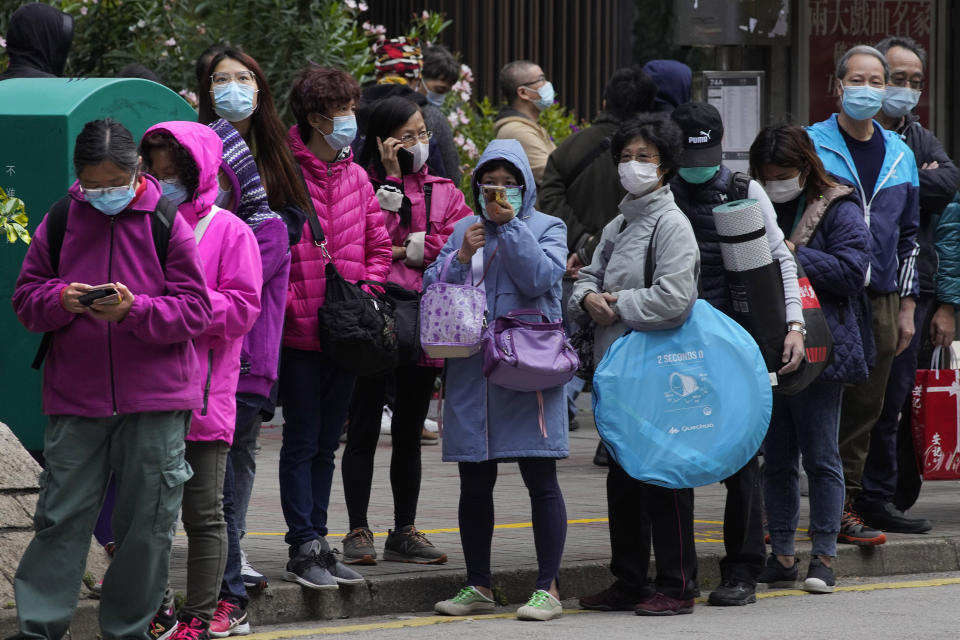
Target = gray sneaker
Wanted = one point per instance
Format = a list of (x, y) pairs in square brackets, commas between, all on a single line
[(409, 545), (329, 559), (358, 547), (308, 569)]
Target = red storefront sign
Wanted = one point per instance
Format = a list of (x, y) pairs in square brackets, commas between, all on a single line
[(837, 25)]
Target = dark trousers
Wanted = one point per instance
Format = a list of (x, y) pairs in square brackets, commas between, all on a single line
[(315, 394), (743, 526), (640, 512), (880, 472), (414, 386), (549, 512)]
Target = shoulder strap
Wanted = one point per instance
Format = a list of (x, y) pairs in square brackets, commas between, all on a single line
[(649, 264), (161, 225), (739, 186), (427, 194), (587, 160), (56, 230), (316, 229)]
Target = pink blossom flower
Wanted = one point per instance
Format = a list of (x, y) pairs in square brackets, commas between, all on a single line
[(466, 73), (351, 4), (362, 6), (170, 43), (452, 118), (425, 15), (471, 148), (3, 43), (190, 96), (83, 11), (463, 117), (459, 140)]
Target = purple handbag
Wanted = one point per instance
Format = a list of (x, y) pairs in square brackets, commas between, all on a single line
[(526, 355), (453, 316)]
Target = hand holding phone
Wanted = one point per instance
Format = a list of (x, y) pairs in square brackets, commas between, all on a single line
[(100, 295)]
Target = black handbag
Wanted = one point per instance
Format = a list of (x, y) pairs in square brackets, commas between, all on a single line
[(405, 304), (357, 329)]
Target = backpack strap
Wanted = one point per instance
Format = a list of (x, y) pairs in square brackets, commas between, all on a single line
[(587, 160), (427, 194), (204, 223), (161, 226), (739, 186)]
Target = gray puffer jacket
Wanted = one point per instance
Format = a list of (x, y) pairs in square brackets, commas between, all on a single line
[(618, 267)]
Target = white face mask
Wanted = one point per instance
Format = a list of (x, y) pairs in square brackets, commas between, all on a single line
[(420, 151), (783, 190), (638, 178)]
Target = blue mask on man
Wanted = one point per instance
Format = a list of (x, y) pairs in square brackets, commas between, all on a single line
[(436, 99), (862, 103), (899, 101), (111, 200), (233, 102), (344, 131)]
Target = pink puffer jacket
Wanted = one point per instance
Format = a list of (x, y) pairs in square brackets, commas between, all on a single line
[(352, 222)]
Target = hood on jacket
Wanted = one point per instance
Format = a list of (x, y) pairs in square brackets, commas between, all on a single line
[(511, 151), (38, 41), (206, 148), (673, 80), (240, 167)]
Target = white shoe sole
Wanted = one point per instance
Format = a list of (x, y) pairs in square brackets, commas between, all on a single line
[(289, 576), (541, 615), (815, 585), (239, 630), (450, 609), (350, 582)]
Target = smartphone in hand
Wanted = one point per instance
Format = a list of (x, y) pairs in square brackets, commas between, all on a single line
[(102, 294)]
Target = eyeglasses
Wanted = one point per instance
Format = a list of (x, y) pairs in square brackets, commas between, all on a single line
[(540, 79), (900, 80), (640, 157), (423, 136), (99, 192), (221, 78), (497, 187)]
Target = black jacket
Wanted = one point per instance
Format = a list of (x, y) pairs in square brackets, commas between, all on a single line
[(937, 188), (585, 196), (38, 40)]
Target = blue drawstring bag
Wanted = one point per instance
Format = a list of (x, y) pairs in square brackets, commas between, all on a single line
[(683, 407)]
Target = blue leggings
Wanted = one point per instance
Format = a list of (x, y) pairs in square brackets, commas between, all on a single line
[(477, 480)]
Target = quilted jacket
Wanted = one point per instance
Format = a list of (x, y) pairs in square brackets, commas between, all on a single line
[(948, 248), (356, 239)]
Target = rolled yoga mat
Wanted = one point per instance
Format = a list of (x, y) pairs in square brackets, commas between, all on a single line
[(743, 239)]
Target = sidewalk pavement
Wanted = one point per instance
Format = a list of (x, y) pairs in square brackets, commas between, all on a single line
[(397, 587)]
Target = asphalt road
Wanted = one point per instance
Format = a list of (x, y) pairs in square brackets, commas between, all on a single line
[(923, 606)]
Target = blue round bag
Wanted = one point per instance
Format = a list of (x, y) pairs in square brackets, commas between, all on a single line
[(683, 407)]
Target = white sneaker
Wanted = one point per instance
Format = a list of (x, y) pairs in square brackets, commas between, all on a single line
[(252, 579), (541, 606), (431, 425), (386, 420), (468, 601)]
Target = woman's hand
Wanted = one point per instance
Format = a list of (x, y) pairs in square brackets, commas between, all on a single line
[(500, 213), (473, 238), (399, 253), (792, 352), (114, 312), (388, 156), (70, 295), (598, 306)]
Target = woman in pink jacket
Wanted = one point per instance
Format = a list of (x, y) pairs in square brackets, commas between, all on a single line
[(314, 392), (185, 157), (395, 154)]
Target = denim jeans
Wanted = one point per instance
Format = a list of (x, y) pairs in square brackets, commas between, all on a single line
[(315, 395), (804, 424)]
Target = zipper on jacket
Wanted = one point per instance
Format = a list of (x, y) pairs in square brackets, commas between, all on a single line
[(113, 387), (206, 387)]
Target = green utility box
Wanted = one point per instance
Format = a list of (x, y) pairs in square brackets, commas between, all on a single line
[(39, 122)]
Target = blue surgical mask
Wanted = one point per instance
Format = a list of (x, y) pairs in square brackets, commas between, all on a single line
[(697, 175), (436, 99), (224, 198), (547, 94), (233, 102), (899, 101), (111, 200), (174, 191), (344, 131), (862, 103)]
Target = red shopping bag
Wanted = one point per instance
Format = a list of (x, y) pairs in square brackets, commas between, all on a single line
[(935, 410)]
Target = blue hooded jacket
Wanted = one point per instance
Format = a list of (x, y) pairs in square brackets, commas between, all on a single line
[(892, 211), (524, 259)]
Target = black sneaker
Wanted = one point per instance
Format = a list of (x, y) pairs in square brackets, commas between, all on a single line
[(819, 578), (358, 547), (572, 421), (886, 517), (778, 576), (610, 599), (163, 625), (733, 593), (307, 567), (601, 458), (854, 531), (409, 545)]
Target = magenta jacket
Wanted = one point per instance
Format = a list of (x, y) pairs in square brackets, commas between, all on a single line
[(352, 222), (231, 264), (145, 363)]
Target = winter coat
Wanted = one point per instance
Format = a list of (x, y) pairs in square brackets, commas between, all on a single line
[(937, 188), (833, 247), (260, 354), (38, 41), (673, 79), (147, 362), (234, 275), (536, 142), (619, 267), (352, 222), (586, 201), (891, 211), (697, 202), (525, 260), (948, 249)]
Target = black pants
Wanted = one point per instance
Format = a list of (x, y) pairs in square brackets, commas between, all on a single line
[(637, 510), (743, 526), (414, 386)]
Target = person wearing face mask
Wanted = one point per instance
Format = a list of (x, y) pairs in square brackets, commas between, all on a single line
[(395, 155), (612, 291), (882, 169), (119, 383), (824, 223), (891, 481), (527, 92), (315, 392), (524, 255), (188, 155), (440, 72), (702, 183)]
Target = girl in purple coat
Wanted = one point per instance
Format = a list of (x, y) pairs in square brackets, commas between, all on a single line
[(120, 380)]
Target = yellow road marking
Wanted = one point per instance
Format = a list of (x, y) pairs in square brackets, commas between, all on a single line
[(431, 620)]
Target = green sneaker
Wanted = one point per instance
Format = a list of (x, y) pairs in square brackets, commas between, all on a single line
[(540, 606), (465, 603)]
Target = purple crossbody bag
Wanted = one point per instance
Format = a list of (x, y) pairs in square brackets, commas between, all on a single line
[(526, 355)]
